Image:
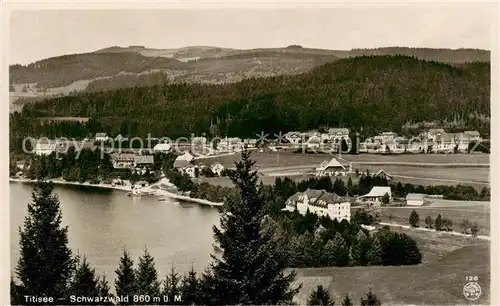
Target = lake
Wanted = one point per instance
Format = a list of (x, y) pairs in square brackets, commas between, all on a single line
[(102, 222)]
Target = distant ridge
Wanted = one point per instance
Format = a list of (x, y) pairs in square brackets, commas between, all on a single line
[(121, 67)]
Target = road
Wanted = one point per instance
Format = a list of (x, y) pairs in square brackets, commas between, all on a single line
[(430, 230)]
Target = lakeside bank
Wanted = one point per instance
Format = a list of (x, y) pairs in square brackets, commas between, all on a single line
[(155, 189)]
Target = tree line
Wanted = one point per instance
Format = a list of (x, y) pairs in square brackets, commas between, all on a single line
[(368, 93)]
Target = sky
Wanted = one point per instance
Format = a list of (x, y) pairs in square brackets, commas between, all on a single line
[(40, 34)]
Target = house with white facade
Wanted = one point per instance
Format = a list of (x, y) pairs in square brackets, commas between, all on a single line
[(331, 168), (338, 133), (230, 144), (388, 137), (101, 137), (375, 196), (415, 199), (321, 203), (314, 142), (434, 134), (123, 160), (217, 168), (293, 137)]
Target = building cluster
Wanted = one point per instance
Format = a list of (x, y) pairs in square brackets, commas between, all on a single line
[(185, 164), (321, 203), (433, 140)]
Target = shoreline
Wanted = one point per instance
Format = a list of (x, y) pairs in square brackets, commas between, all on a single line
[(159, 192)]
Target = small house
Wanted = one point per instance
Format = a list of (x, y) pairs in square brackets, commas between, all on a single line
[(415, 199), (143, 160), (120, 138), (183, 160), (376, 195), (217, 168), (162, 147), (330, 168), (123, 160), (101, 137), (384, 175), (293, 137), (141, 184)]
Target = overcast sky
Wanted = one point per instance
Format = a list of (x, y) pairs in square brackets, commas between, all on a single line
[(40, 34)]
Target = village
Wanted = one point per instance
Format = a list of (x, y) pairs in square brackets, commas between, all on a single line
[(200, 160)]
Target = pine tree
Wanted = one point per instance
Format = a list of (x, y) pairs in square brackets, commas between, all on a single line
[(172, 287), (147, 277), (414, 219), (438, 223), (374, 254), (46, 263), (429, 222), (370, 299), (347, 301), (320, 297), (251, 269), (337, 252), (125, 283), (103, 290), (84, 281), (16, 294), (190, 288)]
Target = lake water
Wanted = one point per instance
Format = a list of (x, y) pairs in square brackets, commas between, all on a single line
[(102, 222)]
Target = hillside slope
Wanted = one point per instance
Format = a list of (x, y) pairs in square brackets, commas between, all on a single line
[(373, 92), (438, 283), (118, 67)]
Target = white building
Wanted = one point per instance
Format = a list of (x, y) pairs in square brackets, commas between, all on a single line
[(162, 147), (415, 199), (330, 168), (101, 137), (230, 144), (314, 142), (183, 160), (217, 168), (388, 137), (321, 203), (337, 134), (293, 137), (374, 197), (123, 161)]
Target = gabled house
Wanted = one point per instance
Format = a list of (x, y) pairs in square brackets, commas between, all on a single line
[(434, 135), (382, 174), (375, 196), (330, 168), (120, 138), (183, 160), (321, 203), (338, 133)]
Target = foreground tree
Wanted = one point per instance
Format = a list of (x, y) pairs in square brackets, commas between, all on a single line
[(429, 223), (147, 278), (46, 263), (320, 297), (347, 301), (414, 219), (370, 299), (190, 288), (85, 281), (125, 283), (251, 270)]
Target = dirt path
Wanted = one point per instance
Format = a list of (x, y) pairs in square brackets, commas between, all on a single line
[(430, 230)]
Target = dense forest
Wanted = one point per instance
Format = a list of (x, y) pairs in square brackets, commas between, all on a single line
[(369, 93)]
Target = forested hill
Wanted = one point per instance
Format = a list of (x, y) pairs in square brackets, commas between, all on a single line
[(370, 92)]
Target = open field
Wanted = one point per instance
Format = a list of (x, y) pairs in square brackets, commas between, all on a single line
[(456, 211), (435, 283), (284, 159)]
